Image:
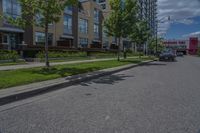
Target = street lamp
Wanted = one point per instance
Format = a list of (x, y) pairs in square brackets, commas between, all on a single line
[(162, 20)]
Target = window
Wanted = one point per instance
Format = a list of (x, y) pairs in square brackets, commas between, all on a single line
[(39, 20), (40, 38), (68, 10), (5, 39), (83, 26), (11, 8), (68, 24), (96, 15), (103, 6), (96, 30), (101, 1), (83, 42)]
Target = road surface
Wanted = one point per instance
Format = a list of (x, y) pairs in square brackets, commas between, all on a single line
[(162, 97)]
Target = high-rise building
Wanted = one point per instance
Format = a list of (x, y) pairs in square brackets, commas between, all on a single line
[(148, 12)]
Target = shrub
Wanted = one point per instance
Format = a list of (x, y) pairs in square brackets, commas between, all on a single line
[(135, 54), (9, 55), (56, 54), (103, 54)]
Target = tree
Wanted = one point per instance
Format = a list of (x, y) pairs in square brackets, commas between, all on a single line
[(123, 15), (152, 44), (140, 33), (40, 13), (114, 24), (130, 18)]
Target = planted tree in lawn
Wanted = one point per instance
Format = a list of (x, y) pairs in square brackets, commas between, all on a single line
[(130, 18), (152, 44), (40, 13), (141, 33), (114, 24)]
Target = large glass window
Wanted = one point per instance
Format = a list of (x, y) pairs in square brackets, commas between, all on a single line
[(40, 38), (11, 8), (5, 39), (68, 24), (96, 15), (83, 26), (83, 42), (96, 30), (68, 10)]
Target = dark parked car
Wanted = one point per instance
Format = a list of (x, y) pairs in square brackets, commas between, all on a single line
[(167, 56), (179, 54)]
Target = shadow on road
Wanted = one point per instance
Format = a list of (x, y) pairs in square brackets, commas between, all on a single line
[(155, 64), (111, 79)]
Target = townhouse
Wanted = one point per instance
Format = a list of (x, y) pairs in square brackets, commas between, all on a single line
[(79, 27)]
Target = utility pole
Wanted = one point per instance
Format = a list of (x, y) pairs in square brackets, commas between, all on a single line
[(157, 22)]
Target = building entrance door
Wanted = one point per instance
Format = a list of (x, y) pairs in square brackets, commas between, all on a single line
[(12, 40)]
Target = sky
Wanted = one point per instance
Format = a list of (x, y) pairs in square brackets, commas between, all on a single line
[(184, 18)]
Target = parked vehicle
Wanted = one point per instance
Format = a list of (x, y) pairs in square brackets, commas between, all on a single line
[(179, 54), (167, 55)]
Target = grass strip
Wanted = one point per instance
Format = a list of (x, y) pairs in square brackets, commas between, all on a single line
[(13, 78)]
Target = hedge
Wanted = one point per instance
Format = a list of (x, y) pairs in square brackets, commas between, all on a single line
[(9, 55)]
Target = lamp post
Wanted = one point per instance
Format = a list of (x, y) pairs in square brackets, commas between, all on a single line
[(162, 20)]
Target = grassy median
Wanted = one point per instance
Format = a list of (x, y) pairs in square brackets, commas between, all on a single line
[(25, 76)]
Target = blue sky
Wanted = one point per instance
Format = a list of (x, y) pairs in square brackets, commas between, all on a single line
[(185, 18), (181, 30)]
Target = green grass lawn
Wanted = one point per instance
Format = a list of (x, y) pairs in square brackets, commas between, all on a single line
[(24, 76), (79, 58), (12, 63)]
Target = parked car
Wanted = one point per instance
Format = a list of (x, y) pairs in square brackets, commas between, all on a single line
[(179, 54), (168, 55)]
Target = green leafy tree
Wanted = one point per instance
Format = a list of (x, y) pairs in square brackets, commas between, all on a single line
[(140, 33), (114, 24), (123, 15), (152, 44), (130, 18), (40, 13)]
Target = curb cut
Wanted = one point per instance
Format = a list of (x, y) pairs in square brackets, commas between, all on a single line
[(70, 80)]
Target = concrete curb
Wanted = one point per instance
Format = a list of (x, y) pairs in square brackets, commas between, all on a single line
[(63, 82)]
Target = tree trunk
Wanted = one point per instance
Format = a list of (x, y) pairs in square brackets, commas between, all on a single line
[(46, 46), (124, 52), (118, 53), (140, 53)]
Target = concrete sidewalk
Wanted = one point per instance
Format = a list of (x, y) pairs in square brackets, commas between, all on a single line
[(21, 92), (32, 65)]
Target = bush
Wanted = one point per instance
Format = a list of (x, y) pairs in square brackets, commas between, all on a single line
[(55, 54), (135, 54), (9, 55), (103, 54)]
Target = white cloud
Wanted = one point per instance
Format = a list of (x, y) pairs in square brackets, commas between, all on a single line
[(193, 34), (180, 11)]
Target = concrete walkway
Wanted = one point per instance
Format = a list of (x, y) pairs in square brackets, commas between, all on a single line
[(39, 64)]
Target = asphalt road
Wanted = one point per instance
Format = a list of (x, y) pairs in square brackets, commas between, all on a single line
[(162, 97)]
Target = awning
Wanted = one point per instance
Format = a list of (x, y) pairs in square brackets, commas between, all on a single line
[(67, 37), (9, 29)]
